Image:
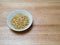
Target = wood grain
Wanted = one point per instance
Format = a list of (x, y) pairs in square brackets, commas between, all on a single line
[(46, 22)]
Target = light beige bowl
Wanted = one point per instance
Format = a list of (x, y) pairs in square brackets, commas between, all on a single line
[(17, 12)]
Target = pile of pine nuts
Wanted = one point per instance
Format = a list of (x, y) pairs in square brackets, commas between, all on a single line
[(19, 21)]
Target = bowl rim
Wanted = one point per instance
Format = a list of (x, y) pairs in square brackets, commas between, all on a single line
[(16, 12)]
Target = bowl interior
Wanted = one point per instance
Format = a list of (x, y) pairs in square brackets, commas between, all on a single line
[(10, 16)]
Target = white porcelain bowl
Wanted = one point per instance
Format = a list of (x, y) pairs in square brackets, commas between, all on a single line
[(17, 12)]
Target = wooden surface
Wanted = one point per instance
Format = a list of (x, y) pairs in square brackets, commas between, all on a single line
[(46, 22)]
